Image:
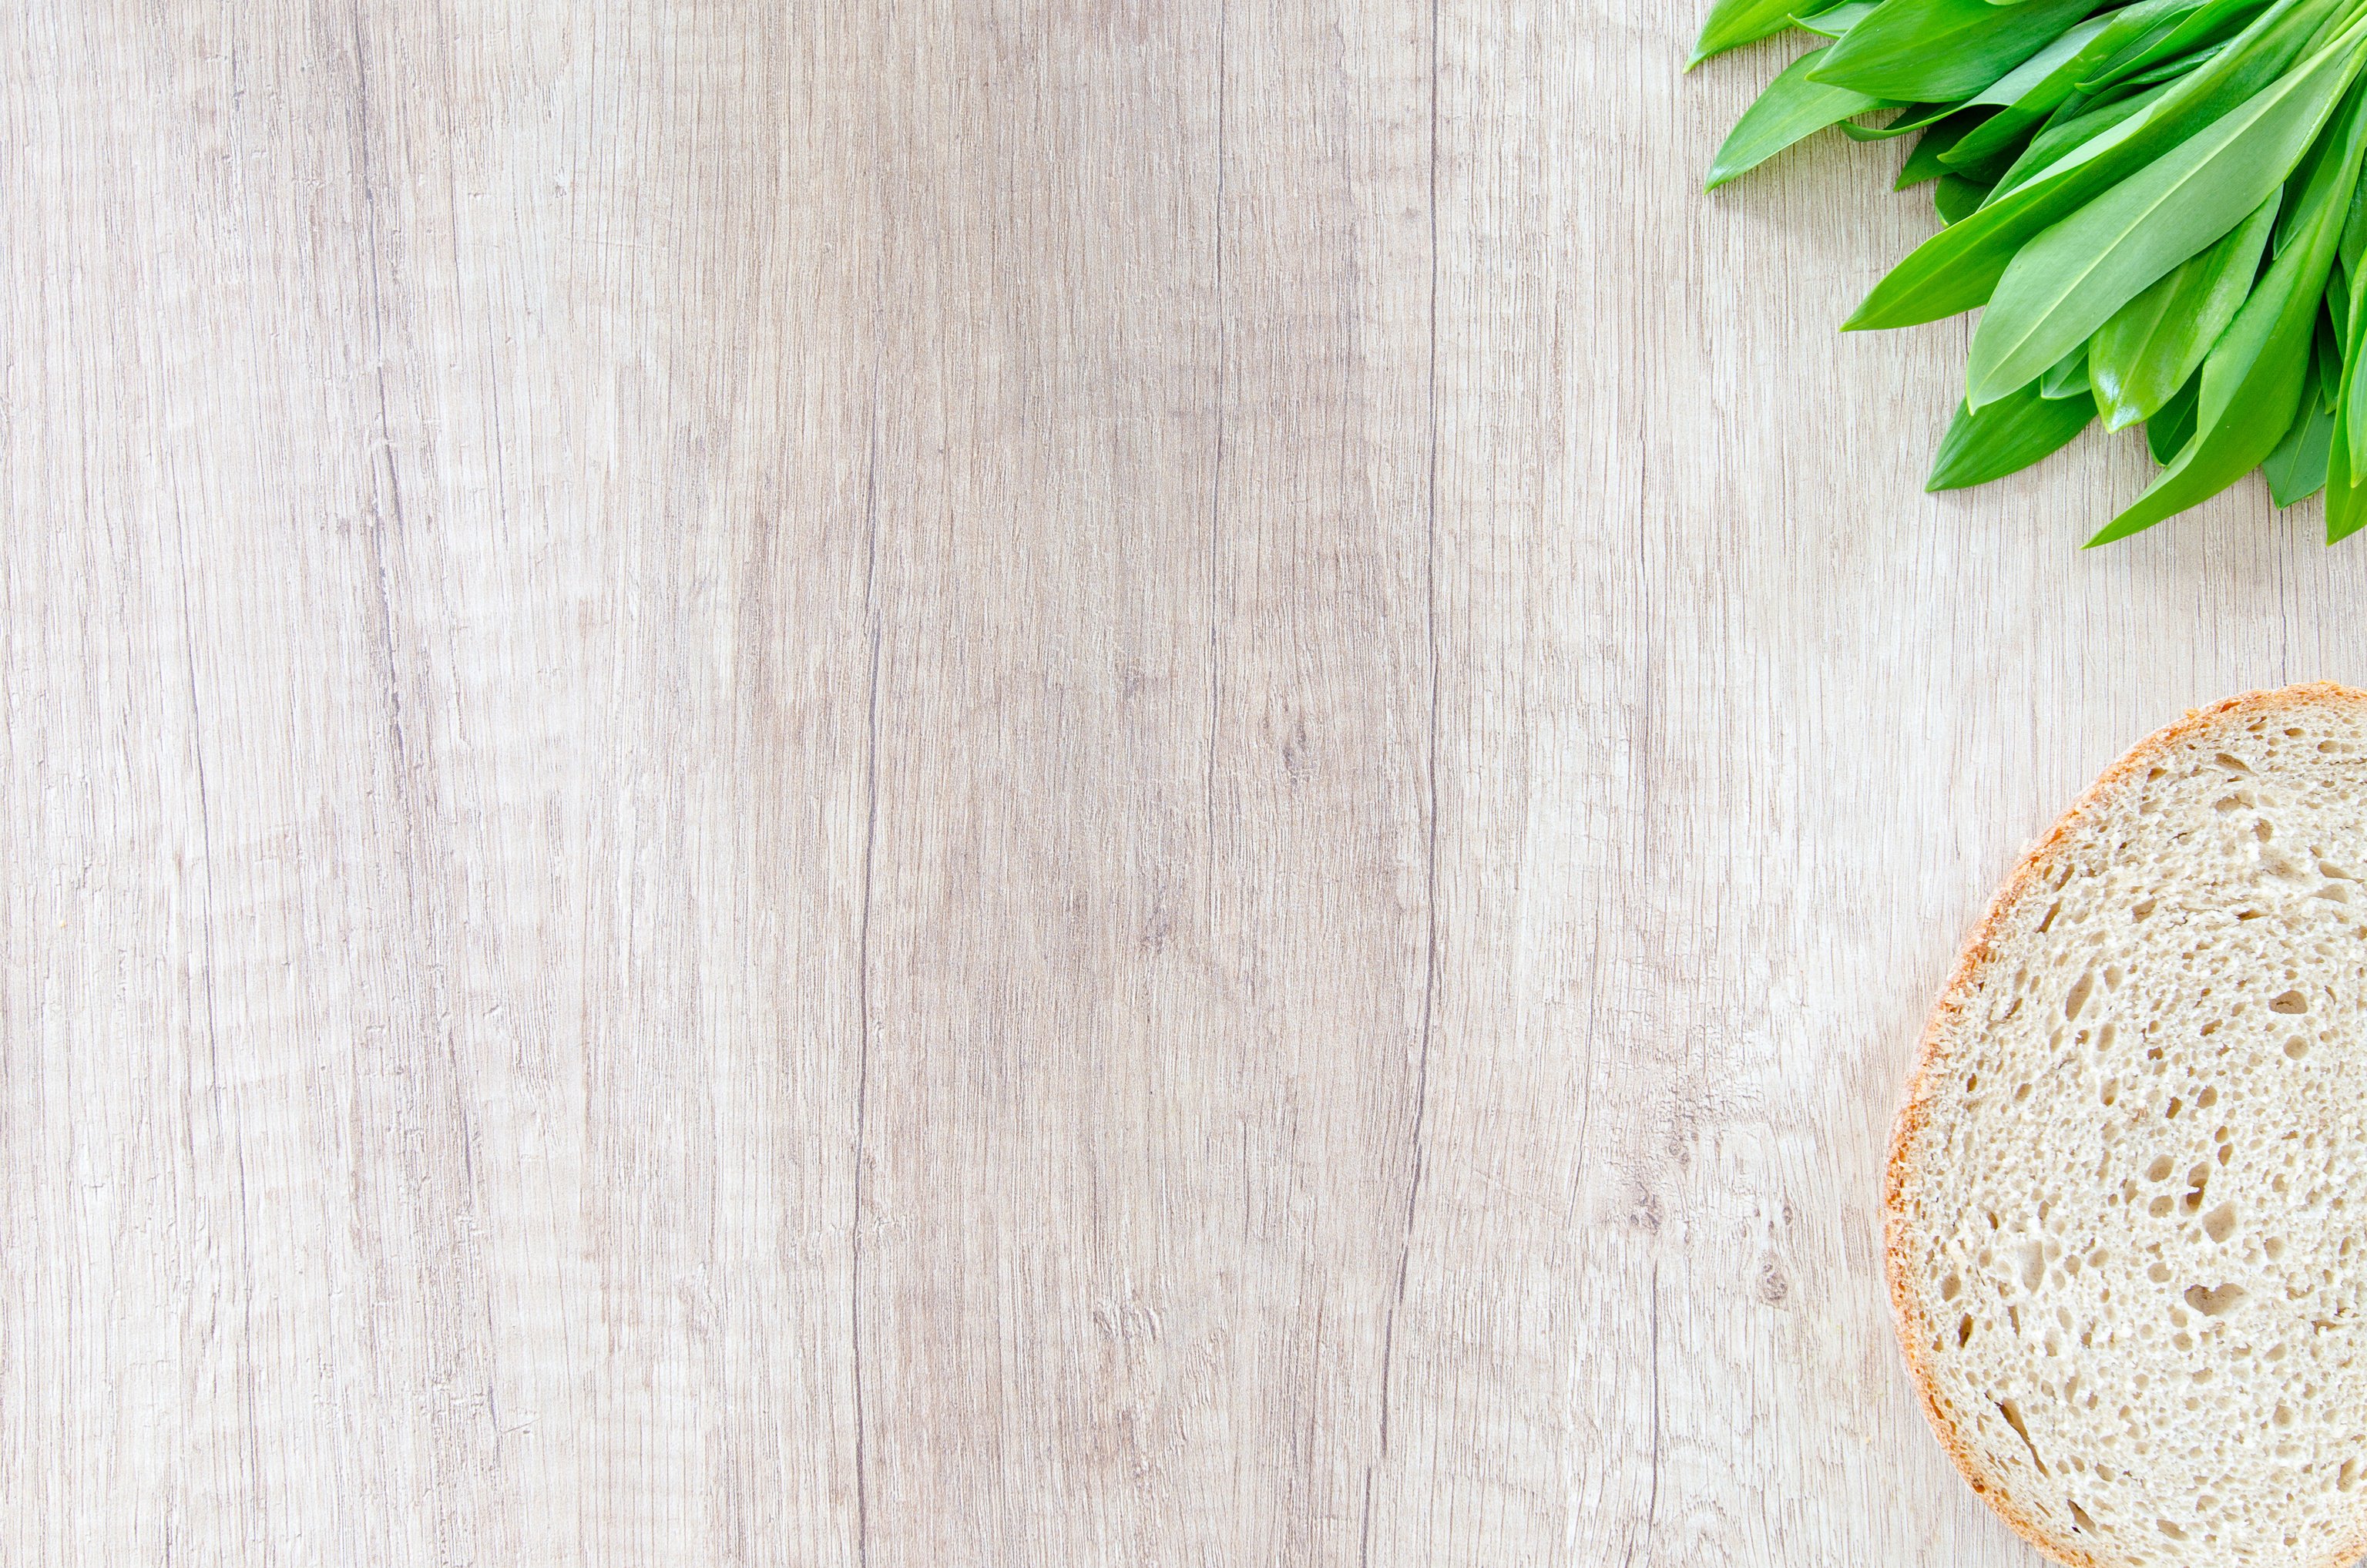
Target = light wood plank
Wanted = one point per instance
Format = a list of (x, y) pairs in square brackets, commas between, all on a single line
[(435, 485), (994, 783)]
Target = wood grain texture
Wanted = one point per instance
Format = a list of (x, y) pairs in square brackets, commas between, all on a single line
[(994, 782)]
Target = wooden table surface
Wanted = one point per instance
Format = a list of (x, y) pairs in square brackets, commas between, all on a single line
[(995, 781)]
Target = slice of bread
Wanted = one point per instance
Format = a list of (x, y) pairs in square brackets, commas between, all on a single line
[(2126, 1199)]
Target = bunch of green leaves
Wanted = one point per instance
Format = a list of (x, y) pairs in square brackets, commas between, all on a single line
[(2159, 202)]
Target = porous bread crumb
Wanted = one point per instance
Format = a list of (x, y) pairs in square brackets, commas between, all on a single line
[(2127, 1198)]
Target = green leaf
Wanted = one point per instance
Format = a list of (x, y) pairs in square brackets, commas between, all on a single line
[(1957, 198), (2354, 236), (1937, 50), (2154, 343), (1993, 152), (2251, 382), (2329, 358), (2007, 436), (1914, 117), (1733, 23), (2296, 469), (1791, 109), (2143, 27), (2061, 138), (2170, 68), (2068, 378), (2346, 501), (2172, 424), (2345, 504), (1924, 162), (2351, 393), (2212, 22), (2070, 280), (2033, 90), (1959, 267), (1837, 21), (2051, 65)]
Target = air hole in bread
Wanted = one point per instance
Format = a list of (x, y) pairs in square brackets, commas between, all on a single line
[(2289, 1001), (2077, 996), (2216, 1302), (2220, 1223), (2012, 1414)]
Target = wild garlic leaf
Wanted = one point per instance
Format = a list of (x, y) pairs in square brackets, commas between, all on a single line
[(2068, 378), (2329, 358), (1959, 269), (2049, 70), (2157, 341), (2354, 234), (1924, 163), (1957, 198), (2043, 83), (2212, 22), (2070, 280), (2061, 138), (2251, 382), (2008, 435), (1733, 23), (2349, 386), (1792, 108), (2140, 29), (1837, 21), (2346, 498), (2345, 504), (2172, 426), (1914, 117), (1936, 51), (2296, 469)]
